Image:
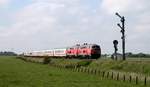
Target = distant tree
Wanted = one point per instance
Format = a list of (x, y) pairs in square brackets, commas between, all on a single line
[(7, 53), (129, 54)]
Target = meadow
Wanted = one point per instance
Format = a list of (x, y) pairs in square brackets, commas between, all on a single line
[(18, 73), (136, 65)]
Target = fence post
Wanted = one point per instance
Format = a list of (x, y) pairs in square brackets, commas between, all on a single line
[(145, 81), (124, 78), (99, 72), (107, 74), (72, 68), (118, 76), (130, 79), (103, 73), (112, 75), (81, 69), (91, 71), (77, 69), (88, 70), (95, 71), (136, 80), (84, 70)]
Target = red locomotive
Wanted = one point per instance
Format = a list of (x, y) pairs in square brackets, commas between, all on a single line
[(90, 51), (84, 51)]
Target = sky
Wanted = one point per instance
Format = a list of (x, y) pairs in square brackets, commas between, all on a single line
[(27, 25)]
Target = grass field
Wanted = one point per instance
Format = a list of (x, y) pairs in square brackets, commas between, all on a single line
[(17, 73), (136, 65)]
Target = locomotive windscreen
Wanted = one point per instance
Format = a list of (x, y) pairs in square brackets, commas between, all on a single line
[(95, 47)]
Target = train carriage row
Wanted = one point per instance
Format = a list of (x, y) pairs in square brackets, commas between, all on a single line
[(77, 51)]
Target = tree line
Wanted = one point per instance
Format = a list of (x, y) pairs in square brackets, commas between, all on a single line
[(129, 54), (144, 55), (7, 53)]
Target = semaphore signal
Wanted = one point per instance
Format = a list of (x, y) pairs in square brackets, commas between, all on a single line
[(123, 34)]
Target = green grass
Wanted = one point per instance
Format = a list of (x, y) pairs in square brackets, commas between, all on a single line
[(18, 73), (135, 65), (70, 62)]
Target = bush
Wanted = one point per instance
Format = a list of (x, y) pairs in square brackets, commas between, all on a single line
[(46, 60), (83, 63)]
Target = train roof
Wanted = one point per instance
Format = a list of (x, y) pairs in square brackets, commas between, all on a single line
[(82, 45), (60, 49)]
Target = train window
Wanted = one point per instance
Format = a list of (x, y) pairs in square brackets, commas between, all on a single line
[(83, 47), (59, 51), (71, 48), (95, 47)]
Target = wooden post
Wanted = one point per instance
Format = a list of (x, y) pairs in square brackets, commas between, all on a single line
[(112, 75), (130, 79), (107, 74), (118, 76), (99, 72), (91, 71), (95, 71), (136, 80), (81, 69), (77, 69), (124, 78), (84, 70), (103, 73), (87, 70), (145, 81)]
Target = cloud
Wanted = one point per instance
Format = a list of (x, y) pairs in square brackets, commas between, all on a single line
[(4, 2), (124, 6), (46, 24), (137, 27), (43, 24)]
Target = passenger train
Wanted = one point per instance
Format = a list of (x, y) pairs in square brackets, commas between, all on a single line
[(88, 51)]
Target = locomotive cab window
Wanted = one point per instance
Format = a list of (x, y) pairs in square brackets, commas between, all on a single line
[(95, 47), (83, 47)]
